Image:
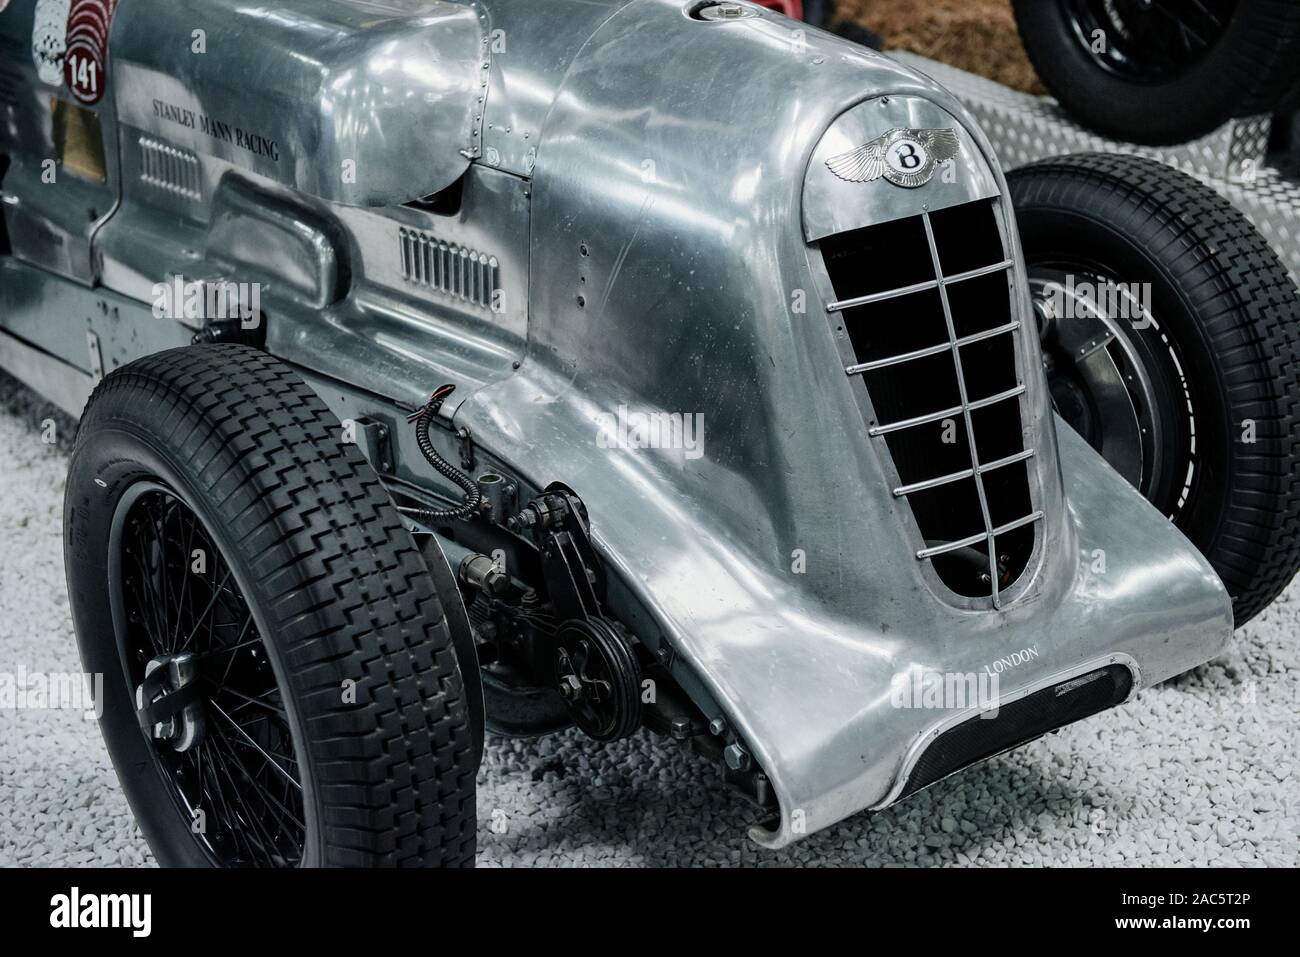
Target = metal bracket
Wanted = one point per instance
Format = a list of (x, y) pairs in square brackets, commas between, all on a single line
[(372, 437), (466, 443), (557, 522), (568, 580), (667, 656)]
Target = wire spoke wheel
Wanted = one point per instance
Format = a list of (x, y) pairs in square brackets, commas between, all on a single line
[(1149, 40), (230, 757), (1164, 72), (281, 685)]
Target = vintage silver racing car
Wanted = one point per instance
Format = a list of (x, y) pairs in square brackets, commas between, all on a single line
[(522, 364)]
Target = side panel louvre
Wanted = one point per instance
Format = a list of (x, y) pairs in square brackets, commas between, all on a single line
[(455, 271)]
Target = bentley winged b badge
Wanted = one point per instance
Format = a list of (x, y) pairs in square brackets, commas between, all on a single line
[(904, 157)]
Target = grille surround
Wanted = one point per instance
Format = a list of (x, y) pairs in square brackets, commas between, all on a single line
[(1025, 530)]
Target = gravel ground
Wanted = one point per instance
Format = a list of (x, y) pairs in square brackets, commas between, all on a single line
[(1197, 771)]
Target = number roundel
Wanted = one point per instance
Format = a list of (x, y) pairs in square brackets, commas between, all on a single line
[(87, 48)]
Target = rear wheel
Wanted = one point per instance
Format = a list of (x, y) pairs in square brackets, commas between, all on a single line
[(280, 687), (1172, 336), (1163, 71)]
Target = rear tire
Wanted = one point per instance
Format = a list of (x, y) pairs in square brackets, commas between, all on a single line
[(364, 683), (1225, 340)]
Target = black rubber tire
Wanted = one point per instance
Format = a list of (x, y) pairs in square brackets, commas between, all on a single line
[(1230, 313), (1252, 69), (819, 13), (336, 585)]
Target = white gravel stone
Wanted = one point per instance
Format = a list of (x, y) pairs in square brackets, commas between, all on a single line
[(1200, 770)]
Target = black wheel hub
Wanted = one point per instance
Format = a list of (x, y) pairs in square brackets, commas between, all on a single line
[(1149, 41), (207, 697), (168, 701), (1114, 378), (1070, 398)]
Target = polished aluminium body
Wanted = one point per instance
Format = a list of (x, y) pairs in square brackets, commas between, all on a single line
[(641, 192)]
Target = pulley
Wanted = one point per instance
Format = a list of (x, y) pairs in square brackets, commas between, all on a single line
[(598, 677)]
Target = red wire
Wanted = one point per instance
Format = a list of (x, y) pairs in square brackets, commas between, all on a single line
[(435, 397)]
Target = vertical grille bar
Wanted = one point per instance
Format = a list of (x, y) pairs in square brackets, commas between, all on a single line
[(925, 311), (965, 409)]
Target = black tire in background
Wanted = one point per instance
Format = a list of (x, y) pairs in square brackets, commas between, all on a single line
[(818, 13), (1228, 334), (1248, 65), (338, 594)]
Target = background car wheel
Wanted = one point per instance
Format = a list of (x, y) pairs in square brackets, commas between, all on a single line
[(1172, 336), (235, 566), (1163, 71), (819, 12)]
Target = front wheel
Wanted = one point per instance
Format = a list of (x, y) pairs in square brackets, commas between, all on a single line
[(280, 687), (1171, 332)]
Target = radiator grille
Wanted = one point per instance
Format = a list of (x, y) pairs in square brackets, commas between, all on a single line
[(926, 305), (169, 168), (447, 268)]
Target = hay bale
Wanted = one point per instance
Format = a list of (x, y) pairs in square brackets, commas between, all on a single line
[(975, 35)]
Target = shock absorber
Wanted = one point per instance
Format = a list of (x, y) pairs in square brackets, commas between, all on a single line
[(469, 507)]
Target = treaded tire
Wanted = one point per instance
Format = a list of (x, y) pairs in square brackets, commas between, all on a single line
[(1252, 69), (335, 584), (1231, 315)]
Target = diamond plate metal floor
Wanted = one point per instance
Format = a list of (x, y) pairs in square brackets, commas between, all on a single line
[(1025, 128)]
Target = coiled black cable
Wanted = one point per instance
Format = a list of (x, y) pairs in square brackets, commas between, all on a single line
[(473, 497)]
